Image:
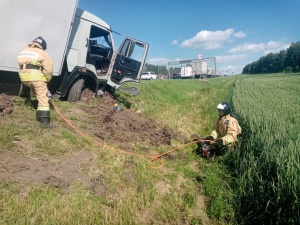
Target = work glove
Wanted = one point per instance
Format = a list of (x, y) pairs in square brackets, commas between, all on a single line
[(219, 142), (210, 138), (49, 95)]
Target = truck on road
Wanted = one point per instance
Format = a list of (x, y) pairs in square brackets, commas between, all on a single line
[(187, 71), (80, 44), (199, 69)]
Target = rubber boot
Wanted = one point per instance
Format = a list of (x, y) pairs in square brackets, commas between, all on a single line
[(44, 118)]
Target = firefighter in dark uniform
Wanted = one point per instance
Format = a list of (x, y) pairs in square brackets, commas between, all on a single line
[(36, 70), (226, 129)]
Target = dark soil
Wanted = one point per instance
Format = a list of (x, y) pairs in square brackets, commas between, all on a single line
[(6, 106), (124, 128)]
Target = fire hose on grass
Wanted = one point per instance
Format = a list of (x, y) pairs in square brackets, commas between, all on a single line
[(152, 158)]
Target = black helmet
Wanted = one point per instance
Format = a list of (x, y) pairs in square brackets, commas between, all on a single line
[(225, 106), (41, 41)]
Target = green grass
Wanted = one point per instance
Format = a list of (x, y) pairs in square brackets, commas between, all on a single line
[(189, 106), (258, 183), (184, 105), (184, 190)]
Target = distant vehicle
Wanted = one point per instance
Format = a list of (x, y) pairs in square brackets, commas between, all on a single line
[(148, 76), (200, 69), (187, 72), (176, 76)]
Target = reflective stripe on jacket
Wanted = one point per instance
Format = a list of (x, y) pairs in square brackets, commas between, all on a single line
[(35, 55), (228, 128)]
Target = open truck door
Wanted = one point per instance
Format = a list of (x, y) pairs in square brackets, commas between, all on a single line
[(128, 62)]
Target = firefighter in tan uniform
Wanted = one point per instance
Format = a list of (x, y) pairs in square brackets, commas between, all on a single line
[(226, 129), (36, 69)]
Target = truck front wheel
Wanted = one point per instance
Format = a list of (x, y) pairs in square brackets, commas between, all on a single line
[(76, 90)]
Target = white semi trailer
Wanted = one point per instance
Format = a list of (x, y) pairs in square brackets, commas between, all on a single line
[(187, 71), (80, 44), (199, 69)]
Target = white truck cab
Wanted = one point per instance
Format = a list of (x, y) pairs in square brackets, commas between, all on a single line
[(80, 44)]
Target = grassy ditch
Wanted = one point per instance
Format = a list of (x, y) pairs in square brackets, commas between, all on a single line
[(189, 106), (185, 190)]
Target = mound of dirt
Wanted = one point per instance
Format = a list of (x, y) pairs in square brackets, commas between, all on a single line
[(6, 106), (126, 128)]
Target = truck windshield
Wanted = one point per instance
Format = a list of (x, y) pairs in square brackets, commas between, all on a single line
[(100, 38), (100, 50)]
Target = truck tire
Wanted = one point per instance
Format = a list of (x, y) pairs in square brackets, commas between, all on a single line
[(76, 90)]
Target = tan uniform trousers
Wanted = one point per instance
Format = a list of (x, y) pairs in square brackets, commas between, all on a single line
[(39, 90)]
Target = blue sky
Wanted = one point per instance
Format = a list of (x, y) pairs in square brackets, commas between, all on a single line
[(236, 32)]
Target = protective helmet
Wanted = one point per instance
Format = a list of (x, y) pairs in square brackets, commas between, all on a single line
[(225, 106), (41, 41)]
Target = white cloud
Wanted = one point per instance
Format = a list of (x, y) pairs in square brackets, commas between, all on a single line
[(230, 70), (230, 58), (240, 34), (162, 61), (177, 59), (159, 61), (211, 39), (232, 61), (174, 42), (271, 46)]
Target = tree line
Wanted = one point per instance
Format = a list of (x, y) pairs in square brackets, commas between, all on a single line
[(287, 61), (156, 68), (161, 69)]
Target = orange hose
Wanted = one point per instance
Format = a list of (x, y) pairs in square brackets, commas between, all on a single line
[(151, 157)]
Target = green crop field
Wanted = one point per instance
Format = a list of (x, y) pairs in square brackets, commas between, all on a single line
[(267, 166)]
